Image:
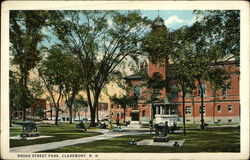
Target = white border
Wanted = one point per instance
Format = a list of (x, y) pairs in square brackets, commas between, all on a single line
[(124, 5)]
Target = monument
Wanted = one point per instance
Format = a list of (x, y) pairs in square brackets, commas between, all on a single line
[(161, 137), (161, 132)]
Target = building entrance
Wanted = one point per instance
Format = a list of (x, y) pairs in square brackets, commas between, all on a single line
[(135, 116)]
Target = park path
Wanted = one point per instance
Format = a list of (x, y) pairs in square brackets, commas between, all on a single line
[(54, 145)]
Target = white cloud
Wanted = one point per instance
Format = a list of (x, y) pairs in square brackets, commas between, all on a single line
[(173, 19), (175, 22), (110, 23)]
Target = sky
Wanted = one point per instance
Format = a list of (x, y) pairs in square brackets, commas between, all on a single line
[(173, 19)]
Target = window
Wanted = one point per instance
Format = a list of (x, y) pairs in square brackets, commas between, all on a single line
[(117, 115), (137, 91), (174, 91), (230, 121), (143, 113), (219, 120), (143, 105), (230, 108), (112, 105), (203, 89), (172, 111), (204, 109), (219, 108), (188, 109)]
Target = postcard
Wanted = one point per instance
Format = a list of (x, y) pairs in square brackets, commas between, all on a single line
[(125, 80)]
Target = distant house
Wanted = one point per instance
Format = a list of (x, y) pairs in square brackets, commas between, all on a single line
[(36, 110)]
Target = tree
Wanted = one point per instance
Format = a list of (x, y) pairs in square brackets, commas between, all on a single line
[(25, 36), (219, 78), (181, 66), (79, 104), (52, 71), (205, 52), (157, 43), (72, 81), (14, 94), (196, 47), (101, 40), (154, 84), (61, 70), (223, 26)]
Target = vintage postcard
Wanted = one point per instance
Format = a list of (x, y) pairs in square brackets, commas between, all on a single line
[(125, 80)]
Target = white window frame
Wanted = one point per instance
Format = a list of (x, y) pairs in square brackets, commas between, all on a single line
[(218, 108), (189, 109), (230, 106)]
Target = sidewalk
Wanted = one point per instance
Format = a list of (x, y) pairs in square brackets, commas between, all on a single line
[(54, 145)]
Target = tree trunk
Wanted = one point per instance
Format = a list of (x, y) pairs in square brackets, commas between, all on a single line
[(57, 112), (183, 110), (58, 105), (92, 115), (97, 115), (124, 114), (10, 118), (70, 114), (91, 107), (24, 114), (51, 111), (23, 81), (70, 101), (201, 108)]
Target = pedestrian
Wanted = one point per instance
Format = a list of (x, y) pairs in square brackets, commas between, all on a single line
[(151, 129), (82, 126), (166, 127), (117, 122)]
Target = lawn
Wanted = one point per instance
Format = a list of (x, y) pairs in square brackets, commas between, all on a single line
[(208, 140), (62, 132)]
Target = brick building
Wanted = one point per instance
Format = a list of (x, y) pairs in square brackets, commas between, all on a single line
[(36, 110), (222, 107), (103, 112)]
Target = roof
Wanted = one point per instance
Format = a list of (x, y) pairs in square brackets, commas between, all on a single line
[(158, 21), (134, 76)]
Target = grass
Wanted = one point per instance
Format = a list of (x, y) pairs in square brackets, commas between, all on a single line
[(208, 140), (62, 132)]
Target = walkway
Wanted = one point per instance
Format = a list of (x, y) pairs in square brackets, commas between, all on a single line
[(54, 145)]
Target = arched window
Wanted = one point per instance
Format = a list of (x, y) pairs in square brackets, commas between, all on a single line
[(174, 91), (137, 91), (203, 89)]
